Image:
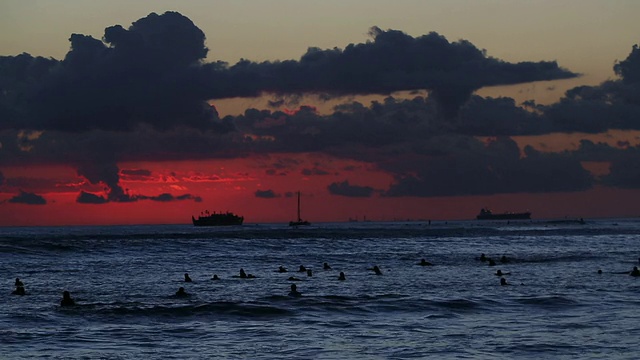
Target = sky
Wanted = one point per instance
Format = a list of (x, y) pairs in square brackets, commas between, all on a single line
[(149, 112)]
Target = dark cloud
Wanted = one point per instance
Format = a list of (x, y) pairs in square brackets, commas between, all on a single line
[(166, 197), (265, 194), (89, 198), (153, 73), (346, 189), (28, 198), (494, 169), (314, 171)]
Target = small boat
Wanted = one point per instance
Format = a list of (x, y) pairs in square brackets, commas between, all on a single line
[(299, 222), (486, 214), (217, 219)]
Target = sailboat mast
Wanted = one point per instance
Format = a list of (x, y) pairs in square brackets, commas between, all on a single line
[(299, 206)]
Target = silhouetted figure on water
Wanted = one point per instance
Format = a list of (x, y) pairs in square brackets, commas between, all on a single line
[(326, 266), (182, 293), (635, 271), (187, 278), (215, 277), (424, 262), (482, 258), (294, 291), (309, 273), (342, 277), (19, 288), (302, 269), (66, 299), (500, 273), (282, 269), (376, 270), (503, 281), (244, 275)]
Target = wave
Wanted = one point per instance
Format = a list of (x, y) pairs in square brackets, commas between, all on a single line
[(551, 301), (188, 310)]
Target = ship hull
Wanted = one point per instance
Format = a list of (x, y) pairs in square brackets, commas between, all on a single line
[(217, 220), (506, 216)]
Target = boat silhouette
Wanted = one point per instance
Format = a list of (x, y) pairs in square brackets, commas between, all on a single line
[(217, 219), (299, 222), (486, 214)]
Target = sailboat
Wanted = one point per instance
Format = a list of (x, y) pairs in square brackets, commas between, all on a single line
[(300, 222)]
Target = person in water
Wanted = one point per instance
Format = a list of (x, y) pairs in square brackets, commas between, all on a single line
[(500, 273), (302, 269), (19, 288), (215, 277), (424, 262), (326, 266), (244, 275), (294, 291), (483, 258), (504, 259), (66, 299), (282, 269), (342, 277), (182, 293), (635, 271), (19, 291), (309, 273), (187, 278), (376, 270), (503, 281)]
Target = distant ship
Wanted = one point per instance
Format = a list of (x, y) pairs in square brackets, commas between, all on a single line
[(300, 222), (486, 214), (217, 219)]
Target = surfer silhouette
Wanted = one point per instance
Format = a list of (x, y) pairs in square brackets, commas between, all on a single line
[(187, 278), (66, 299), (294, 291), (342, 277)]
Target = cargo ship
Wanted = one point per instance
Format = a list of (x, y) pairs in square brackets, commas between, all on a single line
[(486, 214), (217, 219)]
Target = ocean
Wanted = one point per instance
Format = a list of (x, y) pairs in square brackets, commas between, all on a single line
[(124, 280)]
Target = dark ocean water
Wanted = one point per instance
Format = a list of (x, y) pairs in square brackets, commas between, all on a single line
[(124, 279)]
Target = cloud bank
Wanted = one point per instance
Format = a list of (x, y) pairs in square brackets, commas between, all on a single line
[(143, 92)]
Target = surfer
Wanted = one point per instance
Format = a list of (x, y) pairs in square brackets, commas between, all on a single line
[(243, 275), (342, 277), (66, 299), (187, 278), (294, 291), (500, 273), (215, 277), (182, 293), (376, 270), (309, 273), (19, 288), (424, 262), (326, 266), (503, 281), (302, 269), (635, 271), (282, 269), (482, 258)]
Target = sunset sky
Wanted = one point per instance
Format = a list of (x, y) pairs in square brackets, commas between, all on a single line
[(148, 112)]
